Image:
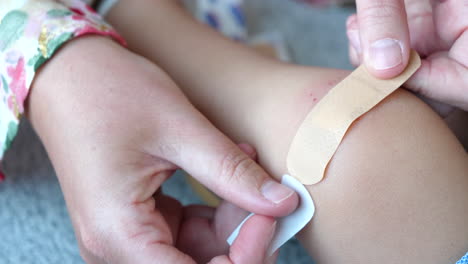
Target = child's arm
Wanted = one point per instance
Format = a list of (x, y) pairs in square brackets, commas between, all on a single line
[(396, 190)]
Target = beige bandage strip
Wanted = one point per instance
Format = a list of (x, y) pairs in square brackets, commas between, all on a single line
[(325, 126)]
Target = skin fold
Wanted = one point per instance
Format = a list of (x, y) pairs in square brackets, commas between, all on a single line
[(394, 192)]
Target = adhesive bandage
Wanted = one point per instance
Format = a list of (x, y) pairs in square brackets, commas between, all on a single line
[(325, 126), (319, 136)]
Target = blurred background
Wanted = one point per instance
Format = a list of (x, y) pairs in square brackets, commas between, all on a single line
[(34, 222)]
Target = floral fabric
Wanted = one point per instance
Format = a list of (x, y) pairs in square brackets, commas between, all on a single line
[(30, 32)]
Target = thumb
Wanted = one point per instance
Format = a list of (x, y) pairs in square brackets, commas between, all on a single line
[(219, 164), (384, 36)]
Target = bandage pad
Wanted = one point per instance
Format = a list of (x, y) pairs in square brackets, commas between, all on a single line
[(325, 126)]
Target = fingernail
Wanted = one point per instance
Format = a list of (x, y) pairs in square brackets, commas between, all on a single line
[(276, 192), (385, 54), (353, 36)]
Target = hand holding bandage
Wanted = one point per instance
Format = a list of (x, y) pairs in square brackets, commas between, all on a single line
[(438, 31)]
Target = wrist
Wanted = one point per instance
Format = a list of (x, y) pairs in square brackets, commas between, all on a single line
[(62, 82)]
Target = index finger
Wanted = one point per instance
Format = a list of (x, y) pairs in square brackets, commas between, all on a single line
[(252, 243)]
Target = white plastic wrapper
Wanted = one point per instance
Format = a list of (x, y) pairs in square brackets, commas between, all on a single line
[(288, 226)]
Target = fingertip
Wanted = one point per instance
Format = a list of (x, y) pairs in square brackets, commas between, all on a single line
[(284, 199), (290, 205), (352, 22), (355, 48), (386, 58), (384, 32), (354, 39), (419, 81), (353, 56), (254, 239), (386, 65), (287, 206)]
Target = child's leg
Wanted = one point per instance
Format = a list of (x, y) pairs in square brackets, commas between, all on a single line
[(395, 192)]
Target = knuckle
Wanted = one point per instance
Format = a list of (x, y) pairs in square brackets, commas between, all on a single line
[(380, 12), (235, 165), (352, 22), (168, 150)]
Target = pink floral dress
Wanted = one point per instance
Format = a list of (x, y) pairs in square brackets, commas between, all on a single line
[(30, 33)]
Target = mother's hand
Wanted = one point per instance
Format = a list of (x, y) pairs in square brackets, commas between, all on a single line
[(381, 36), (116, 127), (439, 33)]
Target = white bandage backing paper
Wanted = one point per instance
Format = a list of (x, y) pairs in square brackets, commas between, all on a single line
[(288, 226)]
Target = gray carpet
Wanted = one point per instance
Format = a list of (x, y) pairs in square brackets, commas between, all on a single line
[(34, 224)]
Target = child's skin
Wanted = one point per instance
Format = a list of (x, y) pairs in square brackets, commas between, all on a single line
[(395, 191)]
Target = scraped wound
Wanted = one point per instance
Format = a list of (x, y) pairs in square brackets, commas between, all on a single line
[(325, 126)]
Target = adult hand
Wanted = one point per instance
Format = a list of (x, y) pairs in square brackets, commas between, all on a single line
[(380, 38), (116, 127), (439, 33)]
